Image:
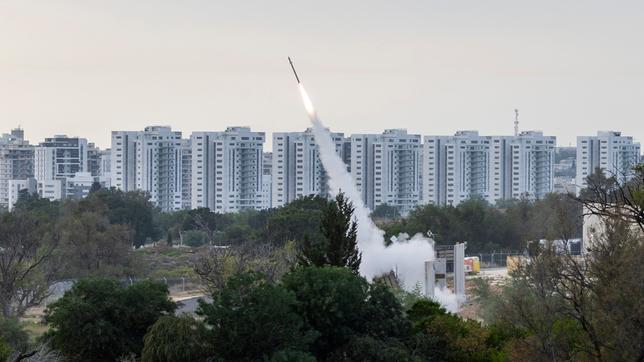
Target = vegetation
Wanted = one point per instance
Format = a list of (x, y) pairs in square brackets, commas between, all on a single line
[(100, 319), (284, 283)]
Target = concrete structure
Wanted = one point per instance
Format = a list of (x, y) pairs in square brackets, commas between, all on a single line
[(123, 160), (53, 190), (466, 165), (267, 181), (297, 169), (186, 174), (16, 162), (60, 157), (158, 166), (16, 186), (386, 168), (94, 155), (155, 160), (79, 185), (227, 169), (609, 151)]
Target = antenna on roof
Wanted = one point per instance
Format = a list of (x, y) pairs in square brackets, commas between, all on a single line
[(516, 122)]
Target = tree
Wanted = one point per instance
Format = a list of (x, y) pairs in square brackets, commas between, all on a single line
[(385, 211), (339, 245), (251, 319), (218, 264), (100, 319), (333, 302), (27, 261), (14, 335), (91, 246), (177, 339), (133, 209)]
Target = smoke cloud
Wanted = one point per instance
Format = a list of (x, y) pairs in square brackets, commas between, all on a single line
[(405, 255)]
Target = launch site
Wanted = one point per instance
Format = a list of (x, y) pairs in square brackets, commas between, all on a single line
[(282, 181)]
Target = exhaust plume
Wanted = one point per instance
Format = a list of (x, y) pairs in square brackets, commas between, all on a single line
[(405, 255)]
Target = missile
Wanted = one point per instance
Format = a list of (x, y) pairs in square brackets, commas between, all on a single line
[(294, 72)]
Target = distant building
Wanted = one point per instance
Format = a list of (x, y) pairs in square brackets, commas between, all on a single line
[(16, 162), (29, 185), (60, 157), (609, 151), (386, 168), (227, 169), (466, 165), (152, 161), (297, 169)]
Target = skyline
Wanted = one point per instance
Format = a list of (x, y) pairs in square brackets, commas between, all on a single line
[(430, 67)]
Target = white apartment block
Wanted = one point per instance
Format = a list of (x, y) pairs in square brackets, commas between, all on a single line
[(609, 151), (386, 168), (227, 169), (158, 166), (16, 162), (123, 160), (297, 168), (466, 165), (60, 157), (153, 161)]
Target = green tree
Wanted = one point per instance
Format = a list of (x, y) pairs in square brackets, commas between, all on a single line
[(133, 209), (100, 319), (177, 339), (251, 319), (14, 335), (339, 246), (333, 302)]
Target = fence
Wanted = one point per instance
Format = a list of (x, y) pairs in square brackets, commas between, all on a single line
[(495, 259)]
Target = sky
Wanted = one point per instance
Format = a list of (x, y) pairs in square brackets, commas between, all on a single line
[(87, 67)]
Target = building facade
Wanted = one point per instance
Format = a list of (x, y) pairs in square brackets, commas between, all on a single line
[(609, 151), (386, 168), (297, 169), (60, 157), (227, 169), (16, 162), (467, 165)]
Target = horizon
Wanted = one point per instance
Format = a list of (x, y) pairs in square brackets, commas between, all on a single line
[(430, 67)]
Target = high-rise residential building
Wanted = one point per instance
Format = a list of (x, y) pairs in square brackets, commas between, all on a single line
[(609, 151), (466, 165), (16, 162), (386, 168), (93, 159), (158, 166), (123, 160), (227, 169), (152, 161), (105, 166), (297, 169), (60, 157), (186, 174)]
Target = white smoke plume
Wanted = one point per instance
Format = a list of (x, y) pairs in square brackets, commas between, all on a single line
[(405, 255)]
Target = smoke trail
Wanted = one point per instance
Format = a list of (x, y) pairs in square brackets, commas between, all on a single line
[(405, 255)]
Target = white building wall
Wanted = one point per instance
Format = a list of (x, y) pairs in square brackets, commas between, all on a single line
[(613, 153), (386, 168), (466, 165), (227, 169), (297, 168)]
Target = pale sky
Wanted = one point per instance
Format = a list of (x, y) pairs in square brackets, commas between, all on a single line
[(86, 67)]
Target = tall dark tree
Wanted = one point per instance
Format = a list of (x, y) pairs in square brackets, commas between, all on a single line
[(339, 246)]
